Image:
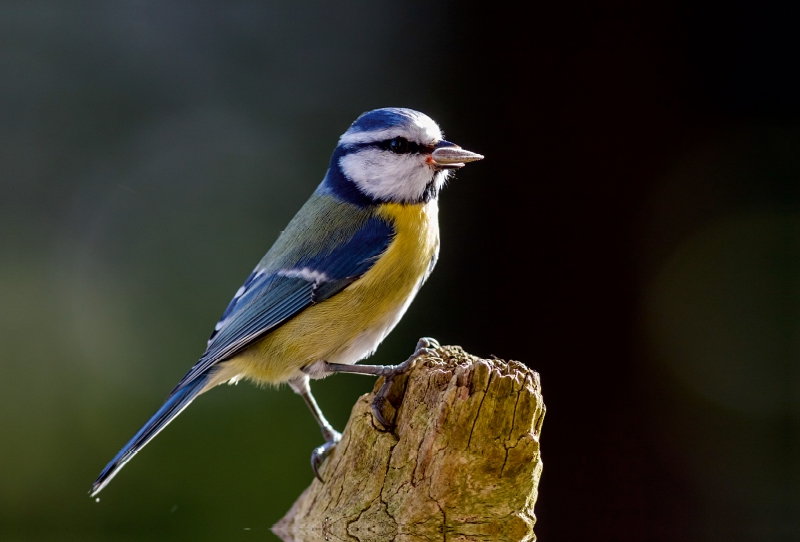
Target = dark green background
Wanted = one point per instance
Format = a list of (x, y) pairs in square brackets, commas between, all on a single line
[(633, 234)]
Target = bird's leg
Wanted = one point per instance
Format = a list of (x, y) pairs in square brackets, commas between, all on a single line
[(425, 345), (332, 436)]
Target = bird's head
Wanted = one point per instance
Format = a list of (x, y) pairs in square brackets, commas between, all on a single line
[(393, 155)]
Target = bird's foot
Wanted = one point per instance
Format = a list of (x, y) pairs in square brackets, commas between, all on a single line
[(425, 346), (319, 453)]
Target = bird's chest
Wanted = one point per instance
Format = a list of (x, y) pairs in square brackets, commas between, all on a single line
[(400, 270), (378, 300), (351, 324)]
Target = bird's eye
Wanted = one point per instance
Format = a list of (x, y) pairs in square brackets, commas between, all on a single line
[(399, 145)]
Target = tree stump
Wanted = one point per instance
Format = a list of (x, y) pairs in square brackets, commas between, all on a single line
[(462, 462)]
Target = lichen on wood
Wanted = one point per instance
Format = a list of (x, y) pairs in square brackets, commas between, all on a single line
[(461, 463)]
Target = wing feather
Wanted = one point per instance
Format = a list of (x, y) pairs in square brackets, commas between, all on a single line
[(268, 299)]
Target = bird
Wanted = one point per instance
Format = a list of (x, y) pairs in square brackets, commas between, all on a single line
[(337, 280)]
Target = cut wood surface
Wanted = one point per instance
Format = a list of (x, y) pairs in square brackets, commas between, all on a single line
[(462, 462)]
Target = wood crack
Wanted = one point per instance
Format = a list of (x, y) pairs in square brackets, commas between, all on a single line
[(478, 413)]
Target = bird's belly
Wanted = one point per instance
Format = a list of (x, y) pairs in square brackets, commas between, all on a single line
[(350, 325)]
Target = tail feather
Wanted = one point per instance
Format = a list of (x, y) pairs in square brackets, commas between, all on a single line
[(173, 406)]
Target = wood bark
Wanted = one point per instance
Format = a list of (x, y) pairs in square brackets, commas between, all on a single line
[(462, 462)]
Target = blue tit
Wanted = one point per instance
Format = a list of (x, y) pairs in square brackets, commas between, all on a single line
[(339, 277)]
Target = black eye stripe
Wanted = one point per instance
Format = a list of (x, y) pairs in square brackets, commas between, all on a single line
[(400, 145)]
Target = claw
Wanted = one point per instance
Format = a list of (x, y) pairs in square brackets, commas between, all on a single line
[(319, 453), (425, 346), (377, 410), (427, 343)]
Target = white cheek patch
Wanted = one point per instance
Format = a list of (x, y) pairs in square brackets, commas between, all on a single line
[(388, 176)]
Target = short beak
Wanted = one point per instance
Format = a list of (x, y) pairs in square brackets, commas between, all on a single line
[(448, 155)]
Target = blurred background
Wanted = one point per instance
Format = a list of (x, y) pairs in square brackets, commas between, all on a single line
[(633, 235)]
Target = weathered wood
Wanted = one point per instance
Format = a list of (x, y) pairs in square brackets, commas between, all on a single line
[(462, 462)]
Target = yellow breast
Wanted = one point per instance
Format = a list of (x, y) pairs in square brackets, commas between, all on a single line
[(350, 325)]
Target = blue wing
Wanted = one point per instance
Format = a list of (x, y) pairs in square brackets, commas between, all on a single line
[(281, 287), (268, 299)]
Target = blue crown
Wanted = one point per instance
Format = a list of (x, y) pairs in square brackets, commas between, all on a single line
[(380, 119)]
